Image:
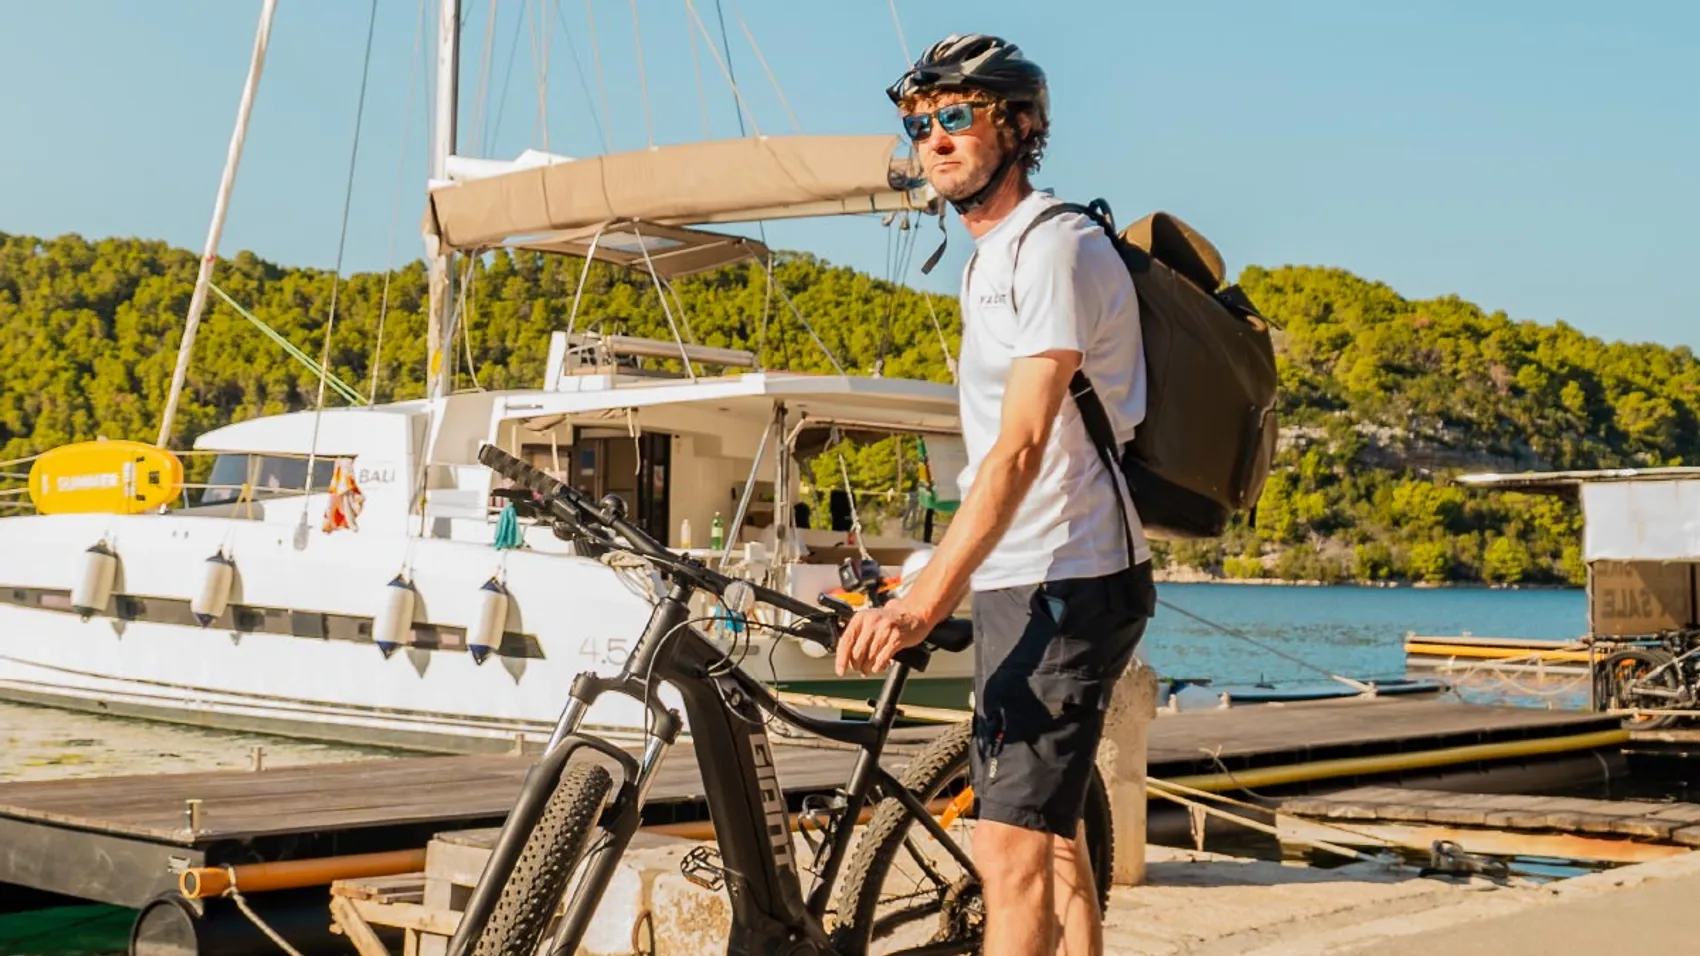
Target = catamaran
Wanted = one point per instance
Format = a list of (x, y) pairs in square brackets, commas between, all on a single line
[(353, 573)]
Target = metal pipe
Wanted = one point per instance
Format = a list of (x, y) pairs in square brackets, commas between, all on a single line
[(209, 255), (198, 883), (749, 491), (1493, 653), (1388, 763)]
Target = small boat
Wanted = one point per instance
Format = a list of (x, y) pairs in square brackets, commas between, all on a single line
[(1197, 693)]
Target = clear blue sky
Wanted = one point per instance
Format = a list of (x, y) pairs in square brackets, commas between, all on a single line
[(1539, 158)]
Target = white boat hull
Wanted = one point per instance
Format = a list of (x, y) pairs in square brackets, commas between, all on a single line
[(293, 653)]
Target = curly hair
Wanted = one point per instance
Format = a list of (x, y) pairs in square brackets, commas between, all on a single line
[(1003, 114)]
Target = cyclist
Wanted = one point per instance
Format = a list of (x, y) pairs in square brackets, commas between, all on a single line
[(1059, 601)]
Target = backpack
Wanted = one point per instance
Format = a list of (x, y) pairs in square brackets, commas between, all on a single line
[(1207, 442)]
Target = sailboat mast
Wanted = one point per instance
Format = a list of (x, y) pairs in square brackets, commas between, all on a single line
[(198, 301), (439, 370)]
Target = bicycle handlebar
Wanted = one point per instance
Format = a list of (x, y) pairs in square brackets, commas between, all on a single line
[(574, 506)]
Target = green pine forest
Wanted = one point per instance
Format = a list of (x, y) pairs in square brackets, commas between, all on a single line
[(1383, 398)]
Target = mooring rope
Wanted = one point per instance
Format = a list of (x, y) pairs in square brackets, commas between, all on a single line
[(253, 917)]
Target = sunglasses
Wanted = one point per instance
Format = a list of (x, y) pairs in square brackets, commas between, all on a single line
[(952, 119)]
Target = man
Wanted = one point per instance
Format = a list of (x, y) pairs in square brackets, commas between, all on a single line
[(1059, 601)]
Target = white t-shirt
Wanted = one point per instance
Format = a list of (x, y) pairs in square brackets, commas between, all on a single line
[(1073, 292)]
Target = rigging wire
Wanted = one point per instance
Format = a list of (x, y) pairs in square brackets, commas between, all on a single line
[(902, 43), (540, 60), (395, 208), (696, 66), (643, 77), (481, 97), (508, 75), (730, 77), (578, 68), (596, 57), (341, 244), (726, 69), (763, 61)]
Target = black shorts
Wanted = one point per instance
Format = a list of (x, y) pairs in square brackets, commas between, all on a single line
[(1046, 657)]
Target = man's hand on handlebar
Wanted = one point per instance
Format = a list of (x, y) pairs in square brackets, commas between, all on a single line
[(875, 634)]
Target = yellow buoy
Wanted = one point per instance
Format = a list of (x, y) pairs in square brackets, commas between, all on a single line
[(104, 477)]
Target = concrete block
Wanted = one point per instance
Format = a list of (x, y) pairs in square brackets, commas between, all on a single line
[(1121, 761)]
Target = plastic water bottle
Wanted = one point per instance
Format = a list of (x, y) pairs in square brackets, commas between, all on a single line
[(716, 533), (685, 534)]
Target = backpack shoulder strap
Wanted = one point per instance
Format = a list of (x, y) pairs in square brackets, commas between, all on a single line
[(1092, 414), (1097, 210)]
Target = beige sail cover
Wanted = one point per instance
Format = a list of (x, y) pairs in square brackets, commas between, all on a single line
[(737, 180)]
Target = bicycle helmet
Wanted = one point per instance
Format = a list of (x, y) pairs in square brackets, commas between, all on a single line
[(977, 61)]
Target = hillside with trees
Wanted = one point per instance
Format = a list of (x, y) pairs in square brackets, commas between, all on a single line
[(1383, 398)]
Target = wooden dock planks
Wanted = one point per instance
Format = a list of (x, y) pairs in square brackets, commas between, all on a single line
[(57, 830), (245, 804), (238, 805), (1265, 734)]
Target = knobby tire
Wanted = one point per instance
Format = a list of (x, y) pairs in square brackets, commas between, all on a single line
[(528, 902)]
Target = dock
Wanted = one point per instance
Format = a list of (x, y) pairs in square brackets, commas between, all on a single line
[(123, 840), (1602, 831), (1455, 653)]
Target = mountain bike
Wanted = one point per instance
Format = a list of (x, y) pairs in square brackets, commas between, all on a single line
[(910, 885), (1652, 676)]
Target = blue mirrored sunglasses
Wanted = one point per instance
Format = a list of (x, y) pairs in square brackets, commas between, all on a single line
[(952, 119)]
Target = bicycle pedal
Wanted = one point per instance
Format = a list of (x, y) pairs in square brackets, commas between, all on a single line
[(702, 867)]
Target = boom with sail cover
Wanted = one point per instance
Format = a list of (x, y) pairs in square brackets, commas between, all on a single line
[(736, 180)]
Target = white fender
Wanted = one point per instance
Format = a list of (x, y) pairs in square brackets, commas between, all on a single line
[(485, 634), (217, 574), (94, 581), (392, 626)]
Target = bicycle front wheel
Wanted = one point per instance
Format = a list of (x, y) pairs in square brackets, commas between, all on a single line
[(533, 892), (902, 889)]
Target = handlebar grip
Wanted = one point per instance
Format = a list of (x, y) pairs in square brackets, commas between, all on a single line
[(953, 634), (519, 472)]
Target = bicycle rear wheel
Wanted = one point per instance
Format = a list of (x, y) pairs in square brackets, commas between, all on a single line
[(527, 904), (1624, 675), (901, 889)]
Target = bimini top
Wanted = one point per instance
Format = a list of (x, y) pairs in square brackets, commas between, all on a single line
[(849, 402)]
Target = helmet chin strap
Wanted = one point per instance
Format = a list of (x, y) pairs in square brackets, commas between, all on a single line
[(967, 205)]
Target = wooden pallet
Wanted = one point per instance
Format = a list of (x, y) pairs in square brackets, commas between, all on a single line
[(394, 901)]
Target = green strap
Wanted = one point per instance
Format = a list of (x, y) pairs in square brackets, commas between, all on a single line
[(342, 388)]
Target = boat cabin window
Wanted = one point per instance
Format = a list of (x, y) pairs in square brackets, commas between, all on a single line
[(272, 476), (609, 461)]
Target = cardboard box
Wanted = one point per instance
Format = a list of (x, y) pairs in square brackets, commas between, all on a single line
[(1627, 598)]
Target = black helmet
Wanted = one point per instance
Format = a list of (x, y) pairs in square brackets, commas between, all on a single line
[(975, 61)]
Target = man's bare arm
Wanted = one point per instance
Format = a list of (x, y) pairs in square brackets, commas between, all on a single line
[(1035, 392)]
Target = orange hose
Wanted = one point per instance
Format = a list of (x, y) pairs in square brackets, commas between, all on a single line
[(204, 881)]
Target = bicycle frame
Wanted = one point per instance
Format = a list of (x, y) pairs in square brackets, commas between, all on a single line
[(746, 805)]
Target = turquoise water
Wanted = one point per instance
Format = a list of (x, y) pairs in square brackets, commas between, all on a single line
[(1357, 632)]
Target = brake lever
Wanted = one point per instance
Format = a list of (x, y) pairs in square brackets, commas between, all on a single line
[(917, 657)]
